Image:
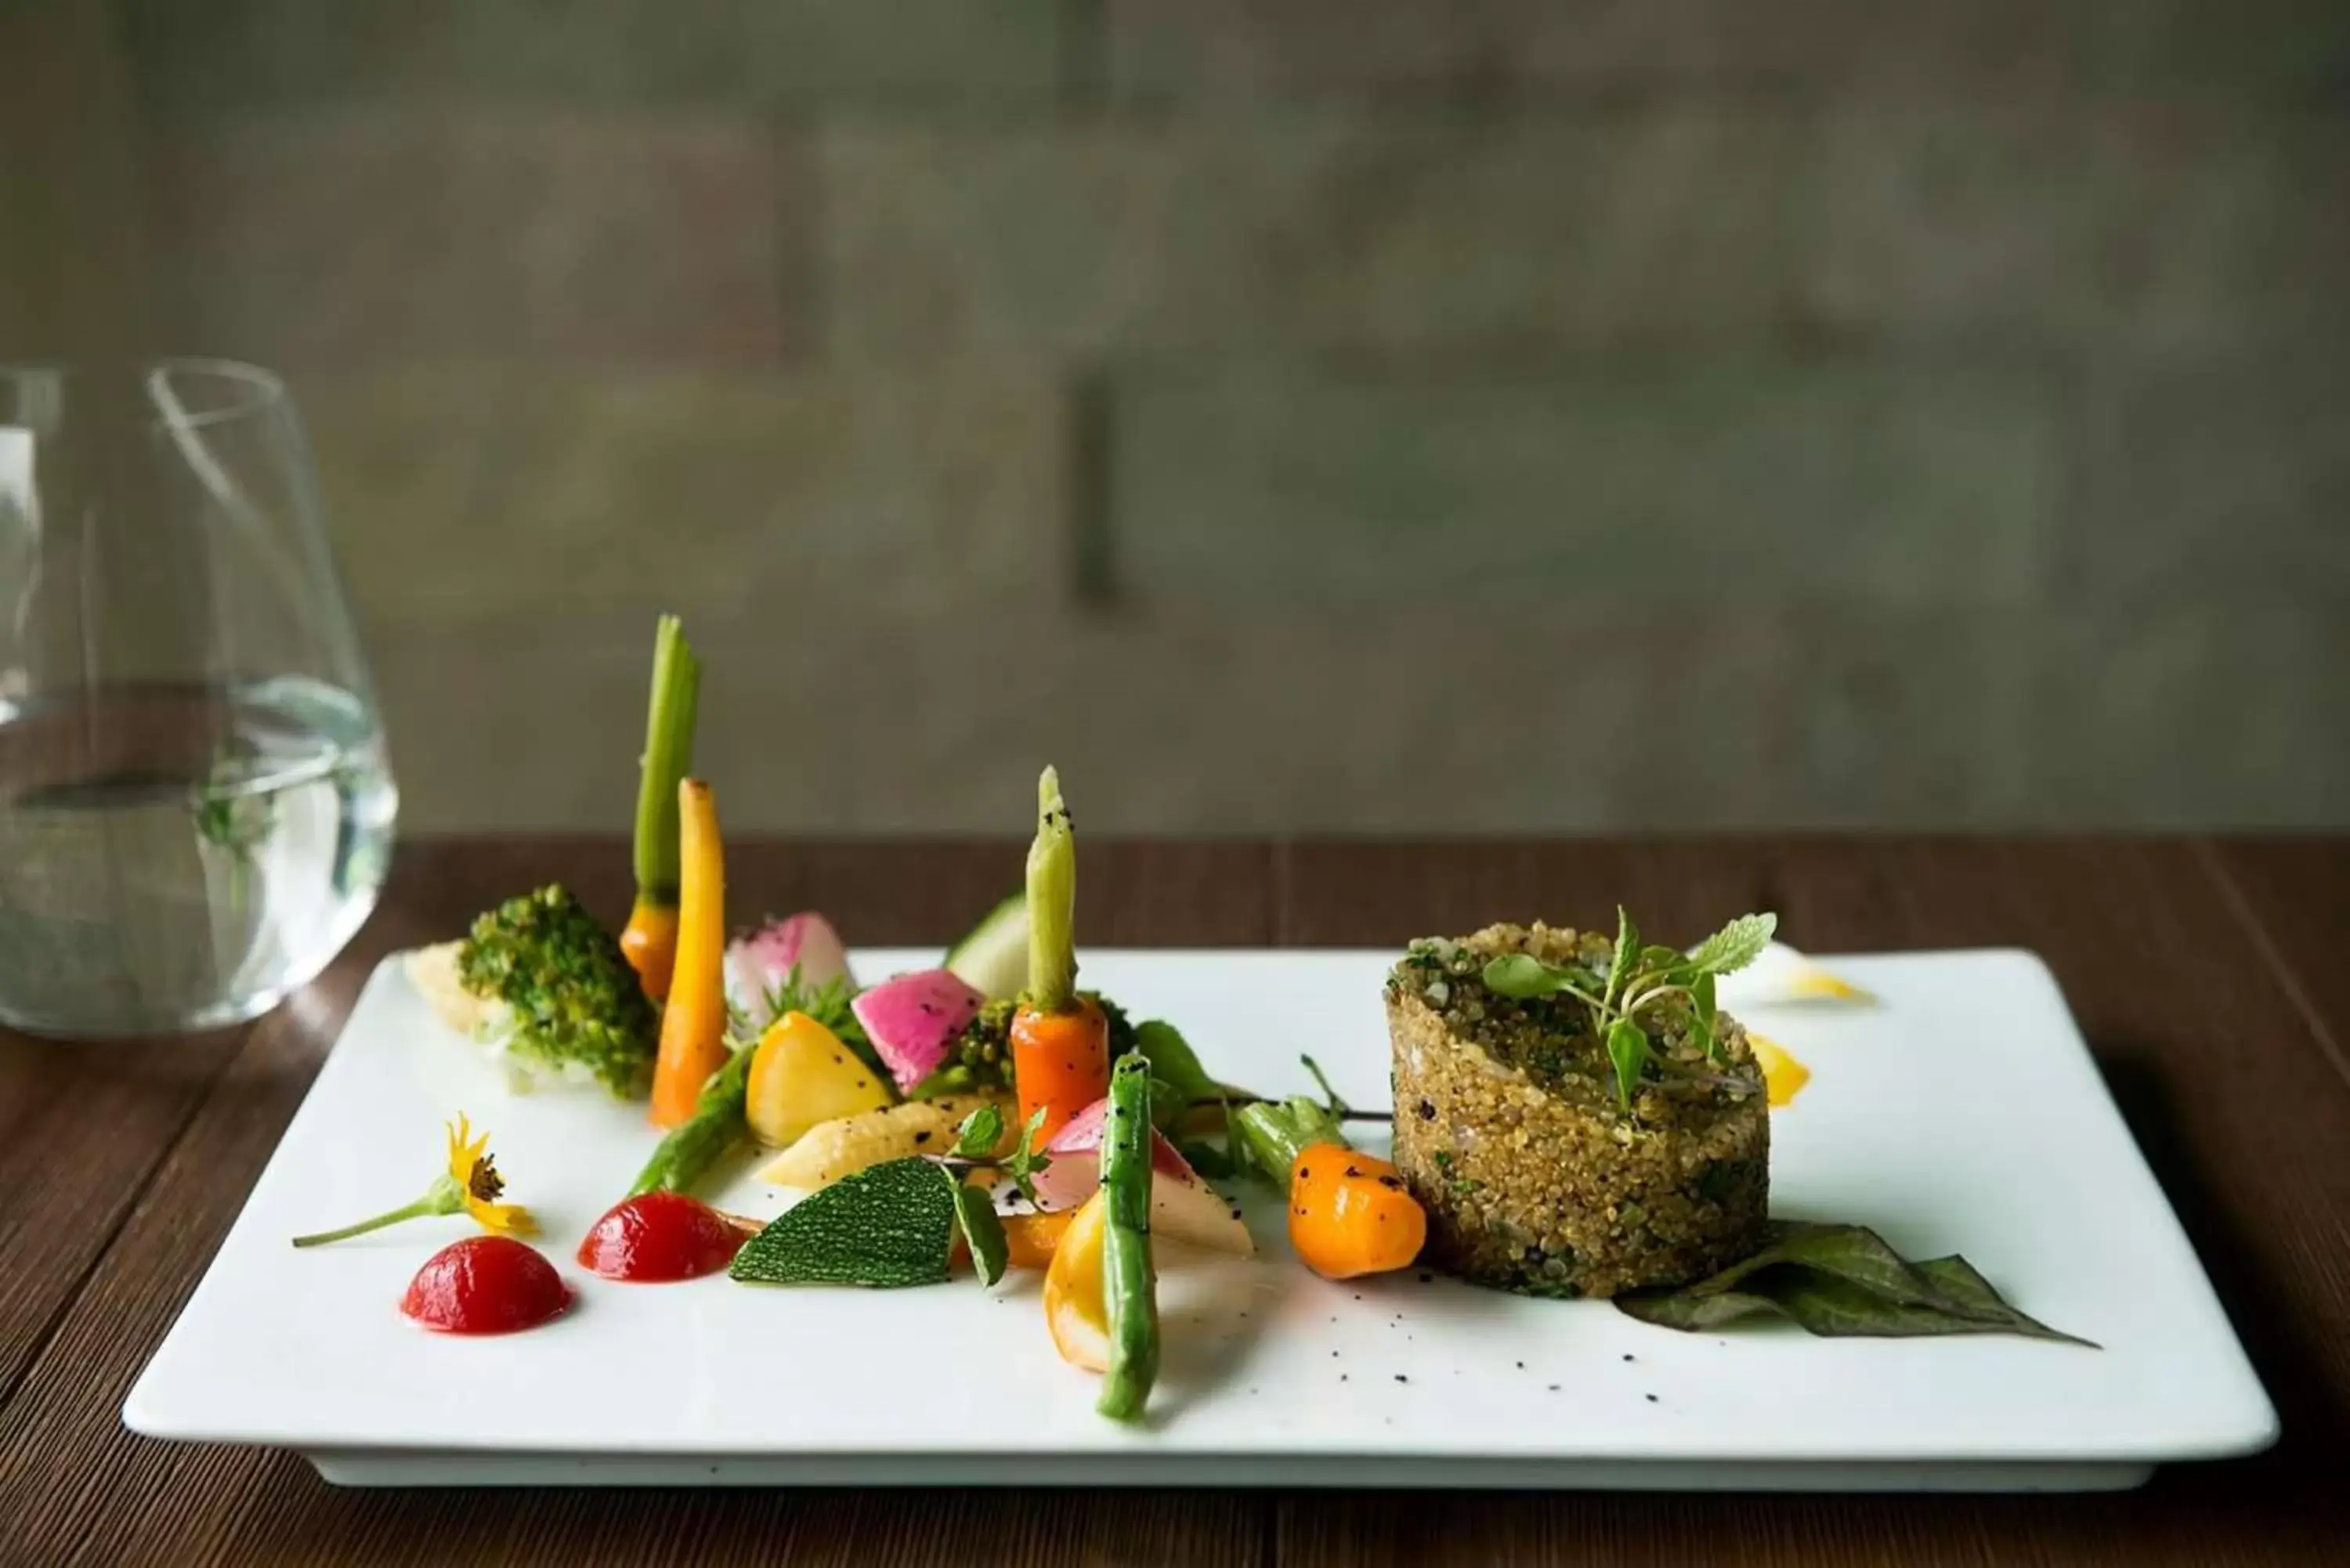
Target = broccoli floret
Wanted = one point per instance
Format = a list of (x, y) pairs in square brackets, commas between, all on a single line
[(981, 1058), (575, 1005)]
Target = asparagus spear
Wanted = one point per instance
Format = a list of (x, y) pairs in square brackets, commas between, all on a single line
[(1129, 1289), (715, 1130)]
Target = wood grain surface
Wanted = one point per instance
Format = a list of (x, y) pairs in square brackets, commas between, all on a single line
[(2206, 976)]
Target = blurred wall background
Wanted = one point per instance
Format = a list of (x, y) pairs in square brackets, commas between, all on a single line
[(1318, 414)]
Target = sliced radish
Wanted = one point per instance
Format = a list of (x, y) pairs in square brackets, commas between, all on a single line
[(1076, 1152), (761, 961), (1183, 1207), (1194, 1211), (914, 1020)]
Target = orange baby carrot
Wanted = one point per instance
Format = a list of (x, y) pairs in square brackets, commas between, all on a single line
[(1030, 1240), (1060, 1062), (648, 941), (1060, 1041), (693, 1023)]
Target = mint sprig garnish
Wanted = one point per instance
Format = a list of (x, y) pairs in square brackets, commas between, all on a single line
[(975, 1148), (1734, 946), (1639, 980)]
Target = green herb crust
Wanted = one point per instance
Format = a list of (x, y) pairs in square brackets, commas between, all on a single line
[(577, 1005)]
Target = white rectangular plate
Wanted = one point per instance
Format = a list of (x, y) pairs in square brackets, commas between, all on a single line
[(1961, 1115)]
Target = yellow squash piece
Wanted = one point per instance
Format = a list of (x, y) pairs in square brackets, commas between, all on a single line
[(1075, 1309), (1782, 1075), (1818, 983), (803, 1075), (846, 1145)]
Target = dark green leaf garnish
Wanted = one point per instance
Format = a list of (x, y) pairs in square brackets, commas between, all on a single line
[(1026, 1159), (1734, 946), (979, 1133), (1521, 977), (887, 1227), (1627, 958), (1627, 1049), (1842, 1280), (1701, 1026), (975, 1148), (1174, 1064), (1167, 1106), (1662, 961), (1648, 993)]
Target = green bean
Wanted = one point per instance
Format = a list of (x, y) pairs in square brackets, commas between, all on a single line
[(1130, 1288)]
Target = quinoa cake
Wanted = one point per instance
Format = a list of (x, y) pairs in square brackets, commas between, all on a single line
[(1510, 1129)]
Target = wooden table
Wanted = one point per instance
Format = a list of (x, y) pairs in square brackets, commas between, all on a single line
[(2210, 977)]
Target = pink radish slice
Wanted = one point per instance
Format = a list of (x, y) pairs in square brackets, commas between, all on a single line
[(1076, 1152), (913, 1021), (763, 960), (1183, 1207)]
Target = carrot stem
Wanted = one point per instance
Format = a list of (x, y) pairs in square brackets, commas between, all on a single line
[(668, 757), (693, 1023), (1052, 902)]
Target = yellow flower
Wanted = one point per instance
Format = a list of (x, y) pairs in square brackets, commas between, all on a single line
[(475, 1170), (471, 1183)]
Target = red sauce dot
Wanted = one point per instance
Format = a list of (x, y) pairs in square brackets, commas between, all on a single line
[(485, 1285), (658, 1237)]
